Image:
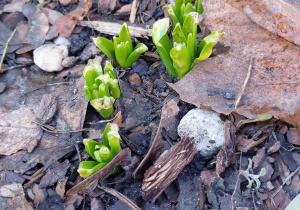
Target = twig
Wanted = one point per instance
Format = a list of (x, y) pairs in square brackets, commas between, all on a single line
[(120, 196), (237, 101), (285, 181), (11, 68), (50, 129), (6, 46), (33, 180), (135, 5), (104, 121)]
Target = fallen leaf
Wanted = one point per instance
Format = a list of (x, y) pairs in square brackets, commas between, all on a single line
[(55, 172), (18, 132), (66, 25), (61, 187), (37, 25), (39, 194), (14, 7), (12, 197), (273, 85), (14, 44)]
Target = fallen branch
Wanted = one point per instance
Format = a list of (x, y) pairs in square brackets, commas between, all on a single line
[(113, 28)]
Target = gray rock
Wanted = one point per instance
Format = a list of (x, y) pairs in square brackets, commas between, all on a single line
[(207, 129), (49, 57)]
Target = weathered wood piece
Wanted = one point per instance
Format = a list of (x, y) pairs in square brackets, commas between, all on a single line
[(166, 169), (113, 28)]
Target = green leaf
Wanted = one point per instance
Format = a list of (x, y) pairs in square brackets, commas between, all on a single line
[(199, 7), (190, 27), (103, 90), (90, 145), (103, 154), (122, 53), (88, 93), (181, 16), (104, 78), (90, 73), (114, 142), (191, 47), (187, 1), (181, 59), (207, 44), (178, 35), (138, 50), (114, 87), (110, 70), (104, 136), (106, 46), (262, 118), (163, 44), (95, 94), (104, 106), (124, 36), (187, 10), (87, 168), (173, 15), (177, 7)]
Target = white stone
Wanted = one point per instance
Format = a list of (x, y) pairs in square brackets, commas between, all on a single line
[(62, 41), (49, 57), (206, 127)]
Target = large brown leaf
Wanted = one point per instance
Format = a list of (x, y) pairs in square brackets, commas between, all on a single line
[(273, 85)]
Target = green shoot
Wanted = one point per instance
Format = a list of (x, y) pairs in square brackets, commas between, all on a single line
[(121, 49)]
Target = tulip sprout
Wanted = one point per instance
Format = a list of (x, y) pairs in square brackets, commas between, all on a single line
[(101, 153), (102, 88), (121, 49), (180, 57), (182, 8)]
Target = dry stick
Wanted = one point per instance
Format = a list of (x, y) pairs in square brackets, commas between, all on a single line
[(134, 8), (120, 196), (237, 101), (28, 184), (6, 46), (237, 181), (285, 181)]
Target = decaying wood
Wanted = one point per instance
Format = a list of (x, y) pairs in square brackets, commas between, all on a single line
[(167, 167), (157, 142), (123, 158), (120, 196), (113, 28)]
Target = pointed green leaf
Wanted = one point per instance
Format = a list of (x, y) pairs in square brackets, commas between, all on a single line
[(90, 74), (262, 118), (90, 145), (174, 17), (207, 44), (199, 7), (181, 60), (191, 46), (88, 93), (87, 168), (190, 26), (160, 29), (110, 70), (138, 50), (122, 53), (114, 142), (103, 154), (124, 36), (106, 46), (187, 1), (104, 136), (187, 10), (177, 7), (178, 35), (103, 90), (181, 16), (114, 88), (104, 78)]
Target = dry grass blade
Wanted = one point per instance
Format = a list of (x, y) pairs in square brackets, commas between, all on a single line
[(135, 5)]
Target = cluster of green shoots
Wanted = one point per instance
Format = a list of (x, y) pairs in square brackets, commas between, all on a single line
[(102, 88), (180, 57), (101, 153), (121, 49)]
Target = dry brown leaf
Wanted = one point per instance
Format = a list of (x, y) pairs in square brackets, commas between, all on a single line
[(66, 24), (273, 87)]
